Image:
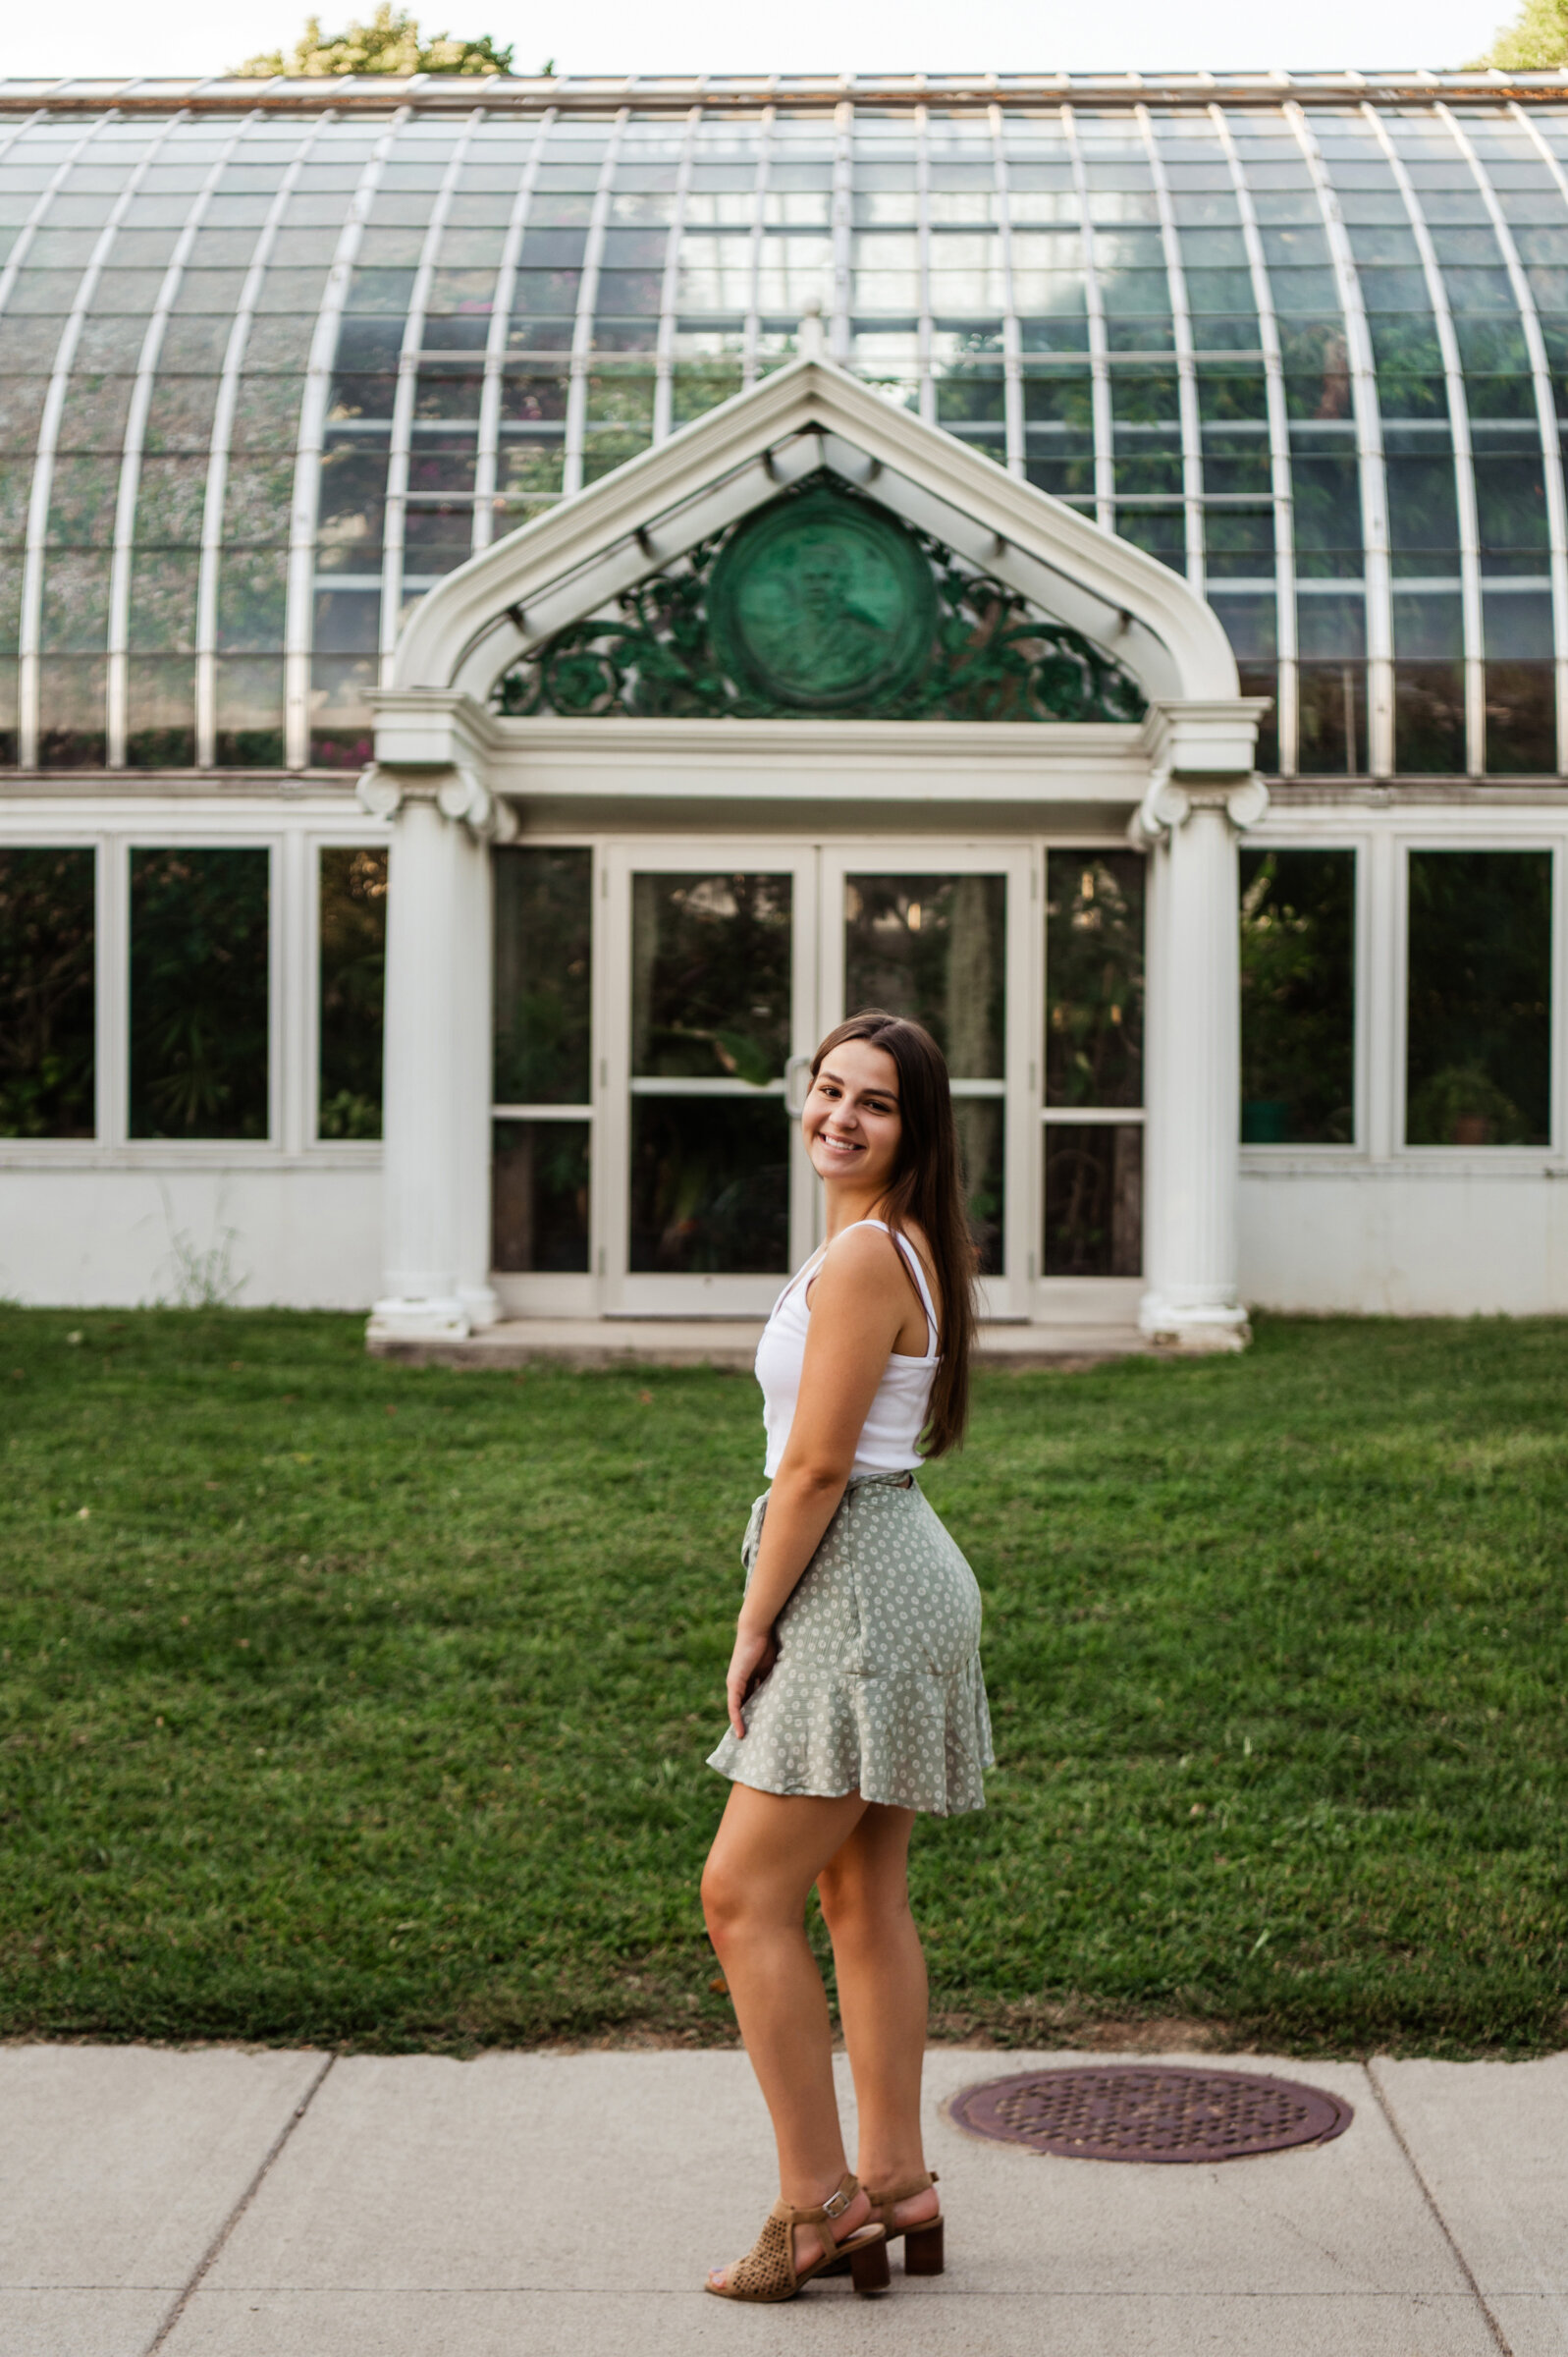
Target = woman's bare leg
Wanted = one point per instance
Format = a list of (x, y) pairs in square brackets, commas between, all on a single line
[(768, 1853), (881, 1968)]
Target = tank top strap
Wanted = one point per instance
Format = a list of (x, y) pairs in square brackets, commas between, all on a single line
[(913, 1257), (807, 1270)]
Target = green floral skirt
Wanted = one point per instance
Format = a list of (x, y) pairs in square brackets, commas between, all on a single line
[(877, 1688)]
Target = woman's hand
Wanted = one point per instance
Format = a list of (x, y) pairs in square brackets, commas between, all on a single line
[(756, 1650)]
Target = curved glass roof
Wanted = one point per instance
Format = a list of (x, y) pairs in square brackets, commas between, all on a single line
[(275, 358)]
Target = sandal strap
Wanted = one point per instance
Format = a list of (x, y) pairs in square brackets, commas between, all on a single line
[(827, 2215), (889, 2197)]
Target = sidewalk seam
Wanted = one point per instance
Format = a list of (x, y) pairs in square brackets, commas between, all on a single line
[(1386, 2106), (209, 2254)]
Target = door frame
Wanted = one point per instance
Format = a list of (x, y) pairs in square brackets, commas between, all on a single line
[(631, 1293)]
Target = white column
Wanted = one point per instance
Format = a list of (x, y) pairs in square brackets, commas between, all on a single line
[(1194, 1049), (436, 1119)]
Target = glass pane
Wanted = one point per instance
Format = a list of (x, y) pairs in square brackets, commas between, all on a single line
[(539, 1195), (544, 947), (1477, 1057), (1298, 1007), (982, 1134), (353, 964), (46, 993), (161, 700), (1333, 719), (1521, 719), (933, 948), (72, 696), (710, 1186), (1094, 1199), (198, 994), (249, 712), (1093, 978), (1430, 719), (710, 990)]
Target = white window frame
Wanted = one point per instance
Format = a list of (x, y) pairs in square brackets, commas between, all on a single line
[(307, 1034), (635, 1293), (551, 1292), (293, 985), (1476, 1160), (1359, 845), (1073, 1301)]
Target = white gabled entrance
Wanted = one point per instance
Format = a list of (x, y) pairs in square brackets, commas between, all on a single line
[(699, 1193)]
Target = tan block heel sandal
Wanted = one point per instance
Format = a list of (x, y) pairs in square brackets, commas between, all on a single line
[(922, 2243), (768, 2270)]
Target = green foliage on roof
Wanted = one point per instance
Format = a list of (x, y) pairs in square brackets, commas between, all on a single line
[(391, 43)]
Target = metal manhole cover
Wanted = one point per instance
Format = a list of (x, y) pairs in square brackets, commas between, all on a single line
[(1132, 2111)]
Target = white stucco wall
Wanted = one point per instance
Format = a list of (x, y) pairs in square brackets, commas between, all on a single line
[(292, 1236), (1408, 1240)]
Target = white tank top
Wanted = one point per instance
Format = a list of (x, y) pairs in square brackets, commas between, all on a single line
[(889, 1437)]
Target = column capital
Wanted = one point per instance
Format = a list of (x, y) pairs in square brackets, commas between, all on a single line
[(377, 792), (465, 798), (1166, 806), (457, 792)]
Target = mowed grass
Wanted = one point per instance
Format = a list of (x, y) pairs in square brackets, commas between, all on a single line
[(367, 1705)]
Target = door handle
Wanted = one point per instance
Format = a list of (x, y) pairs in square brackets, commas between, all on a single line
[(796, 1065)]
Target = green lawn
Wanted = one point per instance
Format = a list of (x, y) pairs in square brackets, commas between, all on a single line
[(353, 1703)]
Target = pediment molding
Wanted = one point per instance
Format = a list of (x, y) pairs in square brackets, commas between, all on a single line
[(809, 418)]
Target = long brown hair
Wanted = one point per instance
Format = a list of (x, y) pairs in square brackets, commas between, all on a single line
[(927, 1186)]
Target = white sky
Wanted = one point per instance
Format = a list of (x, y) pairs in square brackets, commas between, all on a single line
[(678, 37)]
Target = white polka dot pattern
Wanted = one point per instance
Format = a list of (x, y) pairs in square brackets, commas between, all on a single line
[(878, 1686)]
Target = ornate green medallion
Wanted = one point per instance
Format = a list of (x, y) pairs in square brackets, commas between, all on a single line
[(822, 602)]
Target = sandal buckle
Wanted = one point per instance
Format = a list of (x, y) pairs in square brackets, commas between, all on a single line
[(837, 2203)]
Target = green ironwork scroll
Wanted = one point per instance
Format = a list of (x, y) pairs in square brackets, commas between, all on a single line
[(821, 603)]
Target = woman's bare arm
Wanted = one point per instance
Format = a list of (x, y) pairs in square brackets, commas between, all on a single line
[(858, 1304)]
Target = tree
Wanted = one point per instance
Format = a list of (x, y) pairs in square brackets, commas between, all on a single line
[(1535, 41), (391, 43)]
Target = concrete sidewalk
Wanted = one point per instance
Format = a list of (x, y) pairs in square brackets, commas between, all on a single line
[(221, 2202)]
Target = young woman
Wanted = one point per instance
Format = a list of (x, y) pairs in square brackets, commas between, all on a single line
[(855, 1695)]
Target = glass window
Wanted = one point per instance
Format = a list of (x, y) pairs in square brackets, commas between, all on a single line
[(1428, 684), (711, 965), (543, 973), (200, 1032), (250, 691), (1298, 934), (353, 952), (1521, 684), (47, 1027), (933, 948), (1094, 1199), (710, 1186), (1093, 978), (73, 688), (160, 708), (539, 1174), (711, 971), (1477, 1054)]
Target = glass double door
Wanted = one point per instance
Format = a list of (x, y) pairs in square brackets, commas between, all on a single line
[(724, 966)]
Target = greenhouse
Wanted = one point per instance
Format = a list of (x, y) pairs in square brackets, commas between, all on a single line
[(523, 600)]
